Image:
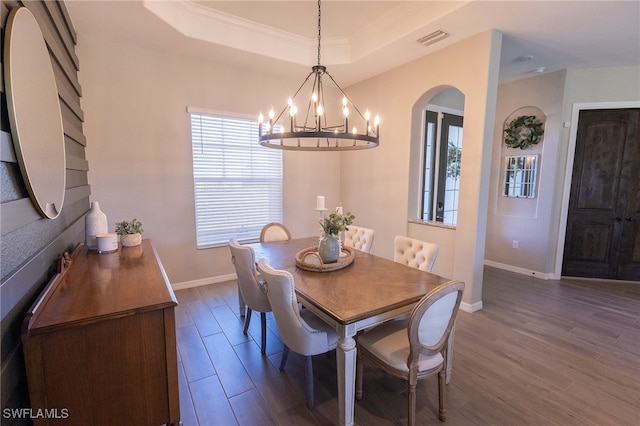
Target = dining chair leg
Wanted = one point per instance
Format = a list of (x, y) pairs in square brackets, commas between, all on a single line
[(309, 374), (442, 411), (285, 354), (411, 411), (359, 373), (247, 320), (263, 323), (241, 304)]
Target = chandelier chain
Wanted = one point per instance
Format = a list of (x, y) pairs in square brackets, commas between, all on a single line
[(319, 17)]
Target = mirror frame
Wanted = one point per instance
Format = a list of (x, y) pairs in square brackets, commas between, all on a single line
[(34, 110), (523, 184)]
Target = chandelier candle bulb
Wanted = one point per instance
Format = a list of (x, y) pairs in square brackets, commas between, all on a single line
[(367, 116)]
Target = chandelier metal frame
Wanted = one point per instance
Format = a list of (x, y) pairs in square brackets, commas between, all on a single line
[(294, 136)]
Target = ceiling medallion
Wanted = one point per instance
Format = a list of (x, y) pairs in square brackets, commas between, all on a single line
[(308, 130)]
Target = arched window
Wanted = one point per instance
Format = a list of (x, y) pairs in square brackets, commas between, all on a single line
[(437, 156)]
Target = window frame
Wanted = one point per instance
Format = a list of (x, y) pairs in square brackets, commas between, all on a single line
[(437, 162), (231, 177)]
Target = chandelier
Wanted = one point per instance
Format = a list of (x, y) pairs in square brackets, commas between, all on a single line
[(308, 130)]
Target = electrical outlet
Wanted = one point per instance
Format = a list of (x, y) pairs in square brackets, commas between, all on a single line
[(516, 243)]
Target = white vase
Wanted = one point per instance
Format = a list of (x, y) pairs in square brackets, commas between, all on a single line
[(131, 240), (95, 223)]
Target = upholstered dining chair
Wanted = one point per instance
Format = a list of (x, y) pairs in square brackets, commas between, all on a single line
[(359, 238), (274, 231), (301, 331), (417, 350), (415, 253), (250, 286)]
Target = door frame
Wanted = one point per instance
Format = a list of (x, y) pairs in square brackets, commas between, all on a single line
[(568, 173)]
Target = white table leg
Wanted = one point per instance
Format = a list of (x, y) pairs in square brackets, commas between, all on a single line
[(450, 354), (346, 358)]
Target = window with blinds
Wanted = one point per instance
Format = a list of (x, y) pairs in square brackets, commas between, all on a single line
[(237, 182)]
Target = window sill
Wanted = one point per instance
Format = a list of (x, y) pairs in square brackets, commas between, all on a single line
[(432, 223)]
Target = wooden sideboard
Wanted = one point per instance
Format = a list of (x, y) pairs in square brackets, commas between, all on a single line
[(100, 342)]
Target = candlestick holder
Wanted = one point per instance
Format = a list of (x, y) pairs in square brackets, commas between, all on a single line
[(321, 211)]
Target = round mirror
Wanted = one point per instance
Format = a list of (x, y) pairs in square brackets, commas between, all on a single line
[(34, 112)]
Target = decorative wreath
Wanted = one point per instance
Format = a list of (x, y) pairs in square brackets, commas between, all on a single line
[(523, 132)]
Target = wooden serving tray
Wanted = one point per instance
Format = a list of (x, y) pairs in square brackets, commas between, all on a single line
[(309, 260)]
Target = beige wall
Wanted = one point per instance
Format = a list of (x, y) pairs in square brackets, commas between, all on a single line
[(139, 147), (526, 220), (377, 185)]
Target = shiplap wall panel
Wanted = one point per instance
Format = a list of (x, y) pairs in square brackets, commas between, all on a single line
[(76, 163), (67, 91), (30, 244), (74, 132), (73, 148), (66, 37), (7, 154), (54, 43)]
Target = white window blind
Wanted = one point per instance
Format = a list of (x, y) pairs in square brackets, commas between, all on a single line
[(237, 182)]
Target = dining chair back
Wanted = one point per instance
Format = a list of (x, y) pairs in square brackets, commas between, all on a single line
[(301, 331), (359, 238), (415, 253), (274, 231), (250, 287), (416, 350)]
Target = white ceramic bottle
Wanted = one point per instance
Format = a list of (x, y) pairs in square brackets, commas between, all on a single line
[(95, 223)]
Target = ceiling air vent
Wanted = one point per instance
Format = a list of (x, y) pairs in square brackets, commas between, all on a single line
[(432, 38)]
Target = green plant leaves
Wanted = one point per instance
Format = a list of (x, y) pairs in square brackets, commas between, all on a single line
[(129, 227), (336, 223)]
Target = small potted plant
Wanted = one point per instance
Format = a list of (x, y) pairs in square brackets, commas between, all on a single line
[(130, 232), (332, 225)]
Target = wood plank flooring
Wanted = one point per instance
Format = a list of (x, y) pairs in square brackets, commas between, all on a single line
[(539, 353)]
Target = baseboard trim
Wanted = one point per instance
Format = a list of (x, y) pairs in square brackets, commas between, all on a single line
[(204, 281), (471, 307), (518, 270)]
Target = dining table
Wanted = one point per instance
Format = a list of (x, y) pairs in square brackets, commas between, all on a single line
[(367, 292)]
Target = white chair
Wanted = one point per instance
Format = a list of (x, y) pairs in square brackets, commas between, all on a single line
[(301, 331), (359, 238), (274, 231), (415, 253), (250, 287), (416, 350)]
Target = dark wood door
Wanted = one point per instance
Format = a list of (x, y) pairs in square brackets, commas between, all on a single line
[(603, 229)]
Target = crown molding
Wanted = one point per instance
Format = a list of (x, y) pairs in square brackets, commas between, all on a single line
[(199, 22)]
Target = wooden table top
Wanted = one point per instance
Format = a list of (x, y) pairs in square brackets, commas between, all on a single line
[(369, 286), (103, 285)]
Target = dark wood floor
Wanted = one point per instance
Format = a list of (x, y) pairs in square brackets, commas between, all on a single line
[(539, 353)]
